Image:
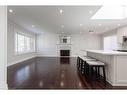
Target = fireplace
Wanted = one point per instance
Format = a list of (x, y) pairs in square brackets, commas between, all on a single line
[(64, 52)]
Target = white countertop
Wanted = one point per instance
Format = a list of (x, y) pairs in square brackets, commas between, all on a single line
[(108, 52)]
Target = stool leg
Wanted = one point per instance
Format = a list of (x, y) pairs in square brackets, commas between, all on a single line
[(78, 64), (98, 69), (82, 70), (96, 72), (81, 66), (86, 69), (104, 75), (77, 61), (90, 73)]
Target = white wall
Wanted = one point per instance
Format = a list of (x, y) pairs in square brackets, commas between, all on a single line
[(81, 42), (48, 44), (106, 34), (12, 58), (3, 48)]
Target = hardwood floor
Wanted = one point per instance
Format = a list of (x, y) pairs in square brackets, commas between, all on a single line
[(50, 73)]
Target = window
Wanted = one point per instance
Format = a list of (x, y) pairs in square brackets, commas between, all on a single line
[(24, 43), (110, 42)]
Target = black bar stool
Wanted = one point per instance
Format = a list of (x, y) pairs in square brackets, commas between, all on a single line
[(79, 63), (82, 65), (85, 67), (97, 65)]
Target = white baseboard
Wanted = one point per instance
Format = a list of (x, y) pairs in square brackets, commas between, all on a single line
[(54, 56), (12, 63), (47, 55), (3, 86), (120, 84)]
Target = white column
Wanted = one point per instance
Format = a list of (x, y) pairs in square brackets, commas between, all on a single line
[(3, 48)]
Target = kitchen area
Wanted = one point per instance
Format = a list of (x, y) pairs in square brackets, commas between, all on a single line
[(115, 65), (115, 60)]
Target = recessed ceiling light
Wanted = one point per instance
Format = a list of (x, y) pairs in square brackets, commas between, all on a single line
[(90, 11), (61, 11), (10, 10), (62, 26), (33, 26), (99, 24), (81, 24)]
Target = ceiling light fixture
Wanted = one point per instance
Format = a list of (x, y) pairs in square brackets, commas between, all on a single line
[(33, 26), (61, 11), (81, 24), (10, 10), (62, 26), (90, 11)]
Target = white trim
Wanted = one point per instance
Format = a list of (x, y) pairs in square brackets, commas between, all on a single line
[(41, 55), (47, 56), (15, 62), (4, 86), (119, 84)]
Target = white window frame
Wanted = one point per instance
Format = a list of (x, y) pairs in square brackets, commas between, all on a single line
[(32, 47)]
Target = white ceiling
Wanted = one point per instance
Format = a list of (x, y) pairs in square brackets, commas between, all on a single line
[(49, 19)]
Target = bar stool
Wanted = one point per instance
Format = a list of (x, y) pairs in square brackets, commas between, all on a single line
[(84, 66), (97, 65), (81, 64)]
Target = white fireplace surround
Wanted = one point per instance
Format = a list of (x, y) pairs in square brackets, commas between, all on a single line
[(63, 47)]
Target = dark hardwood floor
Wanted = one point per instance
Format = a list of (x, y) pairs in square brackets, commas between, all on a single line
[(50, 73)]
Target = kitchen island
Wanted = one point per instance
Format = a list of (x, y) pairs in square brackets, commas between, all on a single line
[(115, 65)]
